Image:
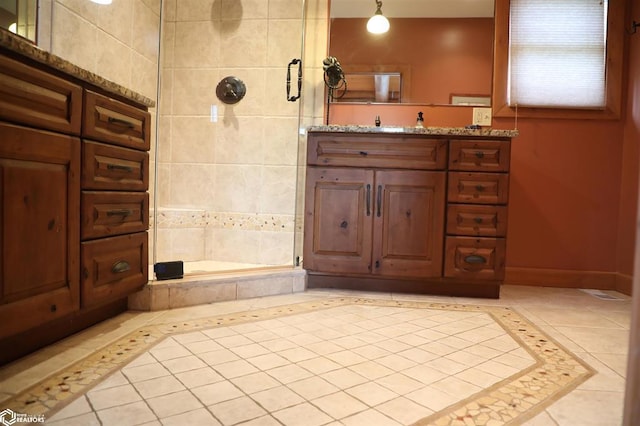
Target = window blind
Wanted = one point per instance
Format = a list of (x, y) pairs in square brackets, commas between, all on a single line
[(557, 53)]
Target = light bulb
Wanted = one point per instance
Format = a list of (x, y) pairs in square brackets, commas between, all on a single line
[(13, 28), (378, 24)]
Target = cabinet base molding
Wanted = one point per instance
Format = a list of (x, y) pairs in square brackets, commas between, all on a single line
[(435, 286), (22, 344), (561, 278)]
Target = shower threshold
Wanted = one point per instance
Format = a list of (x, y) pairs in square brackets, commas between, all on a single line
[(216, 267), (201, 267), (202, 286)]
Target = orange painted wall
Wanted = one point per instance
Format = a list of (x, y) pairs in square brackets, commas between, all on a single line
[(630, 156), (445, 54), (565, 195)]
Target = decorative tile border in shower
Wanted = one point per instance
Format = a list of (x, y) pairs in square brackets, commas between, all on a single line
[(193, 218), (555, 373)]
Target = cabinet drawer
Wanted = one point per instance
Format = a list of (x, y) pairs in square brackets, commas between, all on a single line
[(478, 188), (476, 220), (113, 121), (33, 97), (475, 258), (113, 267), (113, 213), (399, 151), (111, 167), (489, 156)]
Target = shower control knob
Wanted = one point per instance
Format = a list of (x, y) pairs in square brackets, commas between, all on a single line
[(231, 90)]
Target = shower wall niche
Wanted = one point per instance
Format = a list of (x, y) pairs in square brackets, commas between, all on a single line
[(225, 196)]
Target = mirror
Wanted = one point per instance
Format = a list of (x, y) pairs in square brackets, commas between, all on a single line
[(442, 50), (371, 87), (19, 17)]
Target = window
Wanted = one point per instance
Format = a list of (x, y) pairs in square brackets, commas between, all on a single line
[(558, 58)]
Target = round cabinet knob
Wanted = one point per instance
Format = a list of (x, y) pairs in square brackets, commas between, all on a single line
[(231, 90)]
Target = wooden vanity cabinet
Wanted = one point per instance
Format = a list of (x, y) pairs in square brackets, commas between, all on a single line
[(406, 212), (40, 165), (75, 208)]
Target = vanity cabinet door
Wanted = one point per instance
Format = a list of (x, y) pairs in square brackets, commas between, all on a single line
[(338, 220), (408, 223), (39, 227)]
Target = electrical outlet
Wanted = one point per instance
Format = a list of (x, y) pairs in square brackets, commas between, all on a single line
[(482, 116)]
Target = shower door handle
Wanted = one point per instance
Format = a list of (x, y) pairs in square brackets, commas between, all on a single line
[(299, 63)]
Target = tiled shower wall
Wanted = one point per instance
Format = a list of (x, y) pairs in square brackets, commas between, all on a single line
[(227, 184), (118, 42)]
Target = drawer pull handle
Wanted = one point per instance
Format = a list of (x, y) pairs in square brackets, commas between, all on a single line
[(120, 122), (475, 259), (120, 267), (479, 188), (379, 202), (119, 167), (120, 212), (478, 220), (368, 200), (364, 153), (479, 154)]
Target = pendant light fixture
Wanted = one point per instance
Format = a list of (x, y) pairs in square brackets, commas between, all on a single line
[(378, 23)]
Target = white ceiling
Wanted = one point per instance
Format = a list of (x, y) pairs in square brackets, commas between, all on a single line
[(413, 8)]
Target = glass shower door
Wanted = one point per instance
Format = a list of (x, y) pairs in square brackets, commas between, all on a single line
[(226, 174)]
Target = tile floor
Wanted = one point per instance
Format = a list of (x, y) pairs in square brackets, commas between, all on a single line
[(391, 359)]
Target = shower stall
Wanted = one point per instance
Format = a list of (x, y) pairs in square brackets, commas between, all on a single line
[(227, 177)]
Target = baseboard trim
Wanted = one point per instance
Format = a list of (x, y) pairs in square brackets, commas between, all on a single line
[(624, 283), (561, 278)]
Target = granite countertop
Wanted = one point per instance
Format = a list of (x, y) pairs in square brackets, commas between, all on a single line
[(446, 131), (24, 47)]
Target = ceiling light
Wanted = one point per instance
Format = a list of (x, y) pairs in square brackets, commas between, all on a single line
[(102, 1), (378, 24)]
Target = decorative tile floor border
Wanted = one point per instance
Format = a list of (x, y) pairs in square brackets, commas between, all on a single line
[(511, 401)]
